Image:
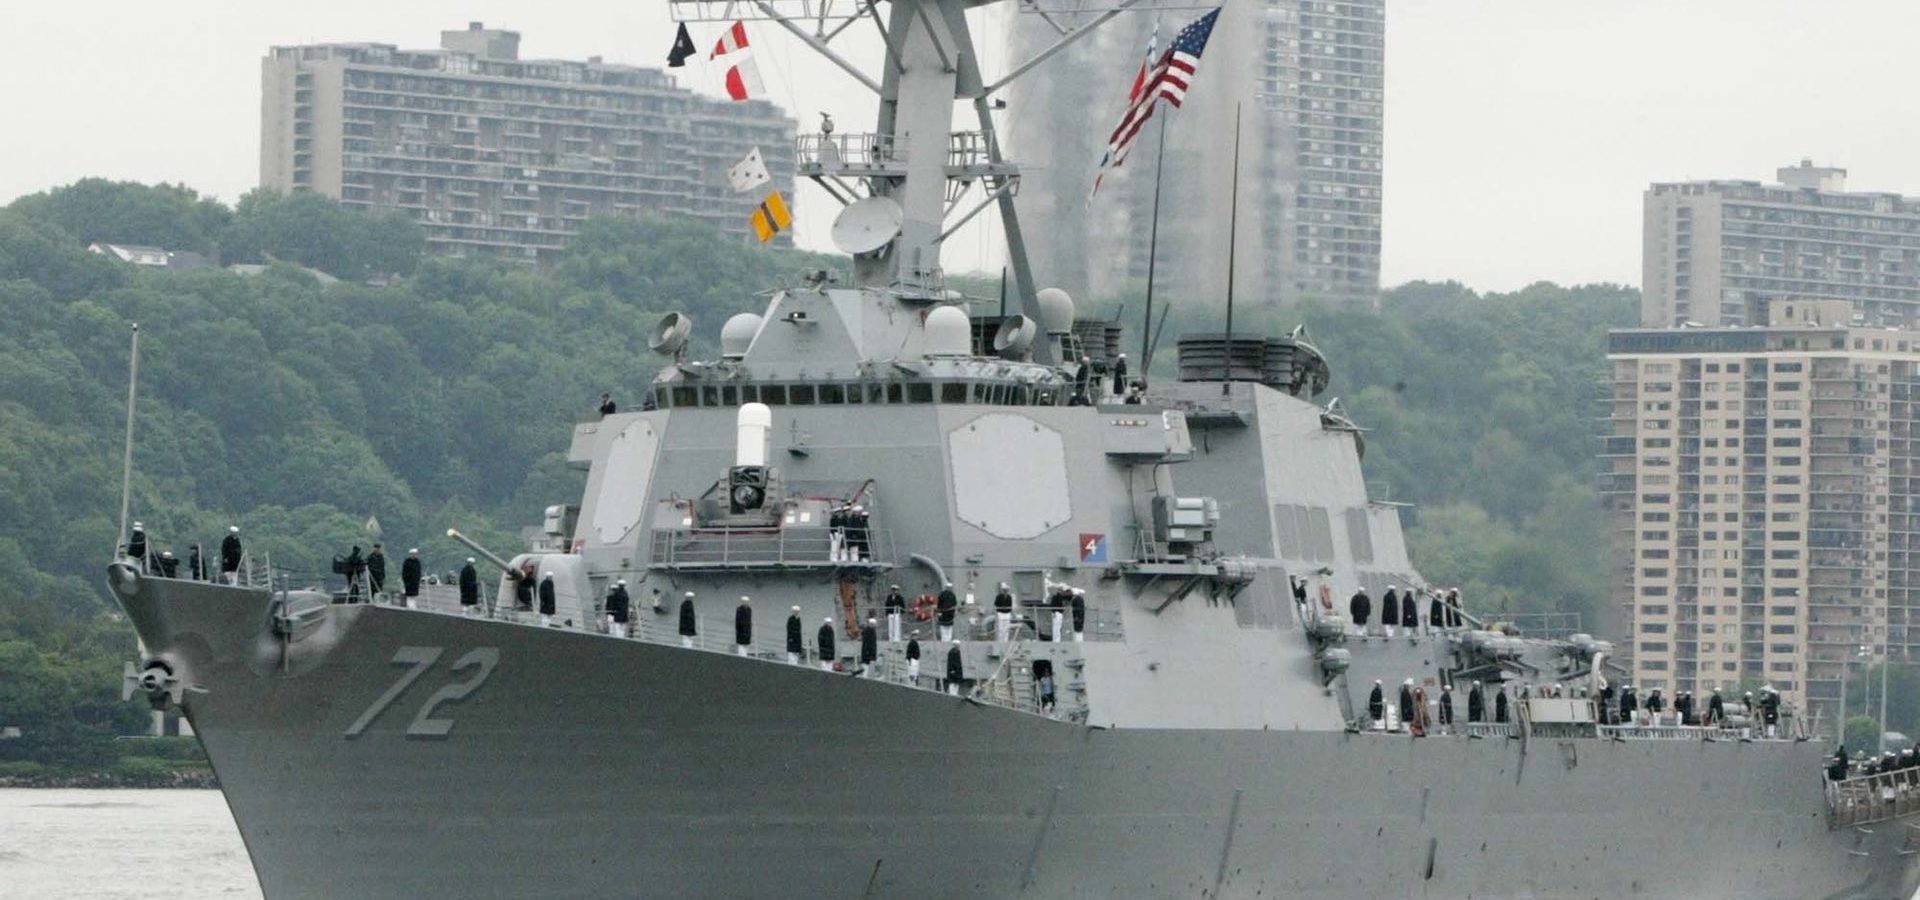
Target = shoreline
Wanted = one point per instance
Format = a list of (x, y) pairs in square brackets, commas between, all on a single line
[(199, 779)]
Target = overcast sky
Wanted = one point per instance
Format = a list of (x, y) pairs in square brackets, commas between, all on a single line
[(1520, 133)]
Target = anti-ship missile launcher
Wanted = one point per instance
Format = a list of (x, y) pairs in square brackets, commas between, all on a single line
[(1158, 713)]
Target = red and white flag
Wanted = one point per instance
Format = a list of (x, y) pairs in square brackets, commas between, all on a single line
[(1166, 78), (743, 77)]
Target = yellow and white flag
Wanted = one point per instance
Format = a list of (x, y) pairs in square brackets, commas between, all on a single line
[(771, 217)]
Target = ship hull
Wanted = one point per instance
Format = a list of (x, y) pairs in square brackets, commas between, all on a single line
[(579, 765)]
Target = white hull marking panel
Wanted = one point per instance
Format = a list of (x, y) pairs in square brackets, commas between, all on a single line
[(1009, 476), (623, 488)]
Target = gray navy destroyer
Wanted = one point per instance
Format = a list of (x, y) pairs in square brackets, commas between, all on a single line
[(1158, 715)]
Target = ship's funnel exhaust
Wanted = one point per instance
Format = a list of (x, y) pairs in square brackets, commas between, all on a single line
[(754, 427)]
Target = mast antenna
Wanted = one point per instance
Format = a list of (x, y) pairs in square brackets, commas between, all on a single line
[(126, 459), (1233, 244)]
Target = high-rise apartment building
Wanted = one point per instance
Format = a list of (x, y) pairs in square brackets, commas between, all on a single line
[(1309, 79), (1763, 489), (1720, 252), (494, 154)]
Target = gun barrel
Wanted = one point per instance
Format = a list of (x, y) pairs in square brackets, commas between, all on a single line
[(478, 550)]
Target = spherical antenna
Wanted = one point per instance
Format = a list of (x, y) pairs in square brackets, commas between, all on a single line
[(1056, 310), (736, 336), (670, 334), (867, 225), (948, 332), (1014, 337)]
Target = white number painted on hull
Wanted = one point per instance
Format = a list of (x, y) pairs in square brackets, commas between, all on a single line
[(421, 659)]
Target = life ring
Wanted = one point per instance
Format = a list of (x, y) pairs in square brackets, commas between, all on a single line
[(923, 607)]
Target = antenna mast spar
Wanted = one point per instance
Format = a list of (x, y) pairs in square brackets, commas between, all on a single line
[(913, 169)]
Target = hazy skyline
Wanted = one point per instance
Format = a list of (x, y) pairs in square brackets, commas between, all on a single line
[(1519, 135)]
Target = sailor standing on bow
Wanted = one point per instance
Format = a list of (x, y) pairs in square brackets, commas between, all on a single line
[(948, 606), (869, 649), (1390, 610), (1406, 703), (743, 627), (795, 645), (410, 578), (547, 600), (825, 639), (1003, 613), (896, 610), (1476, 704), (956, 670), (913, 661), (1377, 706), (230, 553), (1359, 607), (469, 588), (619, 609), (1410, 613), (689, 628)]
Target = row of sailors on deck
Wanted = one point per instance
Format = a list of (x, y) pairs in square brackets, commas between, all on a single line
[(1063, 606), (1402, 609), (152, 560), (1415, 716), (1842, 768)]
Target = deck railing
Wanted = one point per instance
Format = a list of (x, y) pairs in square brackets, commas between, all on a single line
[(1865, 799)]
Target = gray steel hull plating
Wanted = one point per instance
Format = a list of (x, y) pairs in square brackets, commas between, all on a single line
[(584, 766)]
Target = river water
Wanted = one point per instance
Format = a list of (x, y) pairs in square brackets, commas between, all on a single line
[(121, 845)]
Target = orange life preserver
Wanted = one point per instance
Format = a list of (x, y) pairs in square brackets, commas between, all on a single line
[(923, 607)]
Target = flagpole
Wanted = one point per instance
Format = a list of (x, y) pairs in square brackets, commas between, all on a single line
[(126, 459), (1233, 244), (1153, 255)]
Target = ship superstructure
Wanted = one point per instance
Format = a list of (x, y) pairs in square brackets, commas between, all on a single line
[(1156, 716)]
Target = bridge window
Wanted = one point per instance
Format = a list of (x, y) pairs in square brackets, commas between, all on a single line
[(800, 395), (709, 395), (729, 395), (685, 395), (833, 393), (919, 392), (895, 394), (953, 392), (773, 394)]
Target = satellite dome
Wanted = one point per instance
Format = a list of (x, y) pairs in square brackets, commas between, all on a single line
[(948, 332), (1056, 310), (737, 335)]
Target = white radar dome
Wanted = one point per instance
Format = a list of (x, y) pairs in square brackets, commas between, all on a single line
[(1056, 310), (737, 335), (948, 332)]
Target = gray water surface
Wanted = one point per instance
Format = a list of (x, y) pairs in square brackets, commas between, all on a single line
[(121, 845)]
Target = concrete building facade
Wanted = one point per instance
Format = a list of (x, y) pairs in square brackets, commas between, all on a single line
[(1720, 252), (497, 155), (1313, 113), (1763, 492)]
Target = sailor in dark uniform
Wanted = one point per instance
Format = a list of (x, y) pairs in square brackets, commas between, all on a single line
[(870, 648), (689, 628), (743, 627), (1629, 704), (196, 564), (1604, 700), (137, 545), (1377, 706), (795, 646), (1716, 709), (1837, 770), (1410, 612), (1453, 608), (1079, 615), (169, 566), (619, 609), (1476, 704), (1683, 705), (1003, 613), (1299, 586), (547, 601), (230, 553), (1390, 609), (1770, 709), (1120, 375), (1406, 703), (607, 406), (376, 572), (956, 670), (1436, 612), (1359, 608), (410, 578), (825, 640), (896, 611), (949, 605), (1446, 708), (469, 588), (913, 660), (1500, 706), (356, 570)]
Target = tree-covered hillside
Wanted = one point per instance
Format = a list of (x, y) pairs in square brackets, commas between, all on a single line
[(430, 393)]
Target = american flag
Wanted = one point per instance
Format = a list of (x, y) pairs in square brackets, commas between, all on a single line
[(1168, 77)]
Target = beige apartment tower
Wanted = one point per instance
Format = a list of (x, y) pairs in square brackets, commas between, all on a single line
[(1761, 485), (498, 155), (1720, 252)]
